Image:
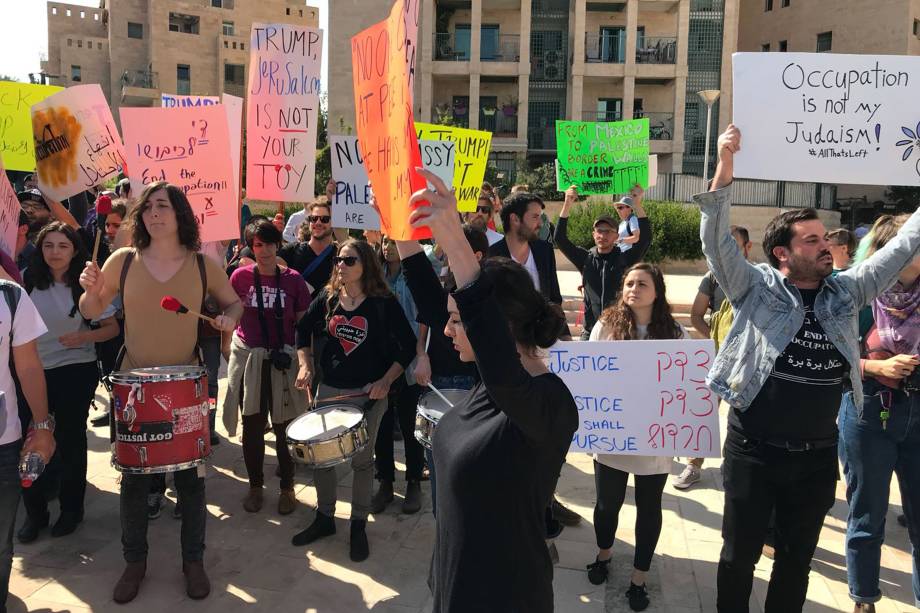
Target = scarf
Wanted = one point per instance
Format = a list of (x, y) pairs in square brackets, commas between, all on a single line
[(897, 318)]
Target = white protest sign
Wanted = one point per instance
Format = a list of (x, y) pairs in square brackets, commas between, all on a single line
[(828, 117), (640, 397), (9, 214), (177, 100), (351, 207)]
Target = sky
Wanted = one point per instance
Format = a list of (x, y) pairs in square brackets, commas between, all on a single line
[(24, 39)]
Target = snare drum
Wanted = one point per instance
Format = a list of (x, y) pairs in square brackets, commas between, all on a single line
[(430, 411), (161, 419), (327, 436)]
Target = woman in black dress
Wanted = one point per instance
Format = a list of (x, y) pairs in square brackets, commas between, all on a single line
[(499, 452)]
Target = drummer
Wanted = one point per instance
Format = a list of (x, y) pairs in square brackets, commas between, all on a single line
[(261, 373), (368, 344), (162, 261)]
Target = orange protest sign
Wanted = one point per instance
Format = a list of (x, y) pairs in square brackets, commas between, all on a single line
[(382, 59)]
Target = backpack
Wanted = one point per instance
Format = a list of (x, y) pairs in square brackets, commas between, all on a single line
[(721, 323)]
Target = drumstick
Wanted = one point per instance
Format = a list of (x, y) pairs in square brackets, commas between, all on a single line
[(342, 397), (103, 208), (440, 395), (172, 304)]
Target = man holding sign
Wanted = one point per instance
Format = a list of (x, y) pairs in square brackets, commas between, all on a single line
[(790, 354)]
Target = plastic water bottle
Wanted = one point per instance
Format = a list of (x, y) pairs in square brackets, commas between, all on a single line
[(30, 468)]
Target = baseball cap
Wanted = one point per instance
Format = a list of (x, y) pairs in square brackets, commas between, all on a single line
[(31, 194), (607, 219), (625, 200)]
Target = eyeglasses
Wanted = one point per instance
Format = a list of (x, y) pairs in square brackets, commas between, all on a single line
[(348, 260), (622, 208), (485, 210), (322, 218)]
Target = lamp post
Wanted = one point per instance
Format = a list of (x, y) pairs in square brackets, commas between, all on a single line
[(709, 96)]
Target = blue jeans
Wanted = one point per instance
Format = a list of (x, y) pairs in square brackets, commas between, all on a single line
[(442, 382), (9, 503), (870, 453)]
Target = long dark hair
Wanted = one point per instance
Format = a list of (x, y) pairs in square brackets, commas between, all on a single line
[(621, 322), (38, 275), (534, 321), (373, 283), (189, 235)]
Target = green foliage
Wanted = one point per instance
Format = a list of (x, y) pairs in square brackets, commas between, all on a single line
[(675, 227), (541, 180), (323, 169), (271, 209)]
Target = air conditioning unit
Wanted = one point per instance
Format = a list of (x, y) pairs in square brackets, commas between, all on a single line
[(552, 64)]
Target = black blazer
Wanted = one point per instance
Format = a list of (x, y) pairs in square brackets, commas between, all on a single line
[(545, 258)]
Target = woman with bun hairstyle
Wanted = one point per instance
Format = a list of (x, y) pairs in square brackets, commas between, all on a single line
[(498, 452)]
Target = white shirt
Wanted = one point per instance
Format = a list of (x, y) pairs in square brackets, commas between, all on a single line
[(493, 236), (634, 464), (54, 305), (630, 223), (531, 267), (290, 230), (27, 326)]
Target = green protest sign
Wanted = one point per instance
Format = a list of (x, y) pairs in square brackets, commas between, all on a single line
[(602, 157)]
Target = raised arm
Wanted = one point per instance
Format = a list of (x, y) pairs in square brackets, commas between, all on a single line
[(575, 254)]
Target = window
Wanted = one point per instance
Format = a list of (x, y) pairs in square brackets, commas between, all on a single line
[(765, 47), (786, 2), (228, 28), (287, 11), (825, 41), (80, 44), (70, 42), (183, 79), (54, 10), (68, 12), (462, 42), (768, 5), (488, 36), (608, 109), (187, 24), (233, 74), (75, 73), (99, 46), (222, 4), (82, 14), (917, 27), (135, 30), (783, 46), (95, 16)]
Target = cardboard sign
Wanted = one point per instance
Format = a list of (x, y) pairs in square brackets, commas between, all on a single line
[(9, 214), (234, 109), (381, 72), (652, 174), (472, 155), (17, 149), (641, 397), (176, 100), (190, 148), (828, 117), (77, 145), (603, 157), (283, 104), (352, 203)]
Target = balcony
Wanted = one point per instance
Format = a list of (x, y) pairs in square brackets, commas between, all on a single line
[(605, 48), (235, 89), (656, 50), (500, 47), (601, 116), (140, 87), (660, 125), (542, 139), (454, 115), (446, 50), (498, 123)]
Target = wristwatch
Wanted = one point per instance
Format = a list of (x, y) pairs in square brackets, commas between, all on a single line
[(45, 424)]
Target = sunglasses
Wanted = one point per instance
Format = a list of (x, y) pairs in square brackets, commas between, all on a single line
[(348, 260), (322, 218), (622, 208), (486, 210)]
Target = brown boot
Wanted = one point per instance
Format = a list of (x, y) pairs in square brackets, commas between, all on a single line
[(253, 500), (130, 582), (197, 584), (863, 607), (287, 502)]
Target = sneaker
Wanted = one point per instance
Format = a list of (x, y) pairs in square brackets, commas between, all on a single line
[(413, 501), (692, 474), (31, 527), (359, 549), (566, 517), (598, 571), (322, 526), (154, 503), (252, 503), (638, 597), (382, 498)]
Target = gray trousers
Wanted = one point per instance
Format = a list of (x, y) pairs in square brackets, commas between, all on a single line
[(362, 463)]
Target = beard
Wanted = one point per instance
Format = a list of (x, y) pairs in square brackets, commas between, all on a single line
[(321, 235), (478, 223), (526, 234), (811, 270)]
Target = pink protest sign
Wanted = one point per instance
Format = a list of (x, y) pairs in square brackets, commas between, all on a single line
[(9, 214), (283, 103), (190, 148)]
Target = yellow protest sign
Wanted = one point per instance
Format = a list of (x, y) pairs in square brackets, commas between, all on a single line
[(471, 156), (16, 145)]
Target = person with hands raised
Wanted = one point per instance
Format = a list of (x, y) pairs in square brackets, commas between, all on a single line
[(498, 452)]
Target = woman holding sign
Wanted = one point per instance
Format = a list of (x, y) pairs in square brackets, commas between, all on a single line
[(642, 312), (497, 453)]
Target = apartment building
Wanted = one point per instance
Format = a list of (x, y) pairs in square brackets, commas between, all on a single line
[(513, 67), (138, 49)]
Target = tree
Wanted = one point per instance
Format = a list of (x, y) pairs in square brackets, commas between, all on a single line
[(5, 77)]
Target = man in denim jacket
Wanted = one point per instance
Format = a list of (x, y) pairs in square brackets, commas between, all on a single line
[(790, 354)]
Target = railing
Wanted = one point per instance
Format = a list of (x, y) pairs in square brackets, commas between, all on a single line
[(656, 50), (660, 125), (140, 78), (496, 122), (748, 192), (549, 8), (235, 89), (601, 116), (605, 48), (541, 138), (500, 48), (445, 49), (446, 111)]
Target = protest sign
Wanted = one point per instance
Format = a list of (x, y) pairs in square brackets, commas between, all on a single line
[(76, 142), (352, 203), (17, 149), (472, 154), (234, 109), (9, 214), (283, 104), (652, 174), (176, 100), (603, 157), (381, 72), (190, 148), (640, 397), (828, 117)]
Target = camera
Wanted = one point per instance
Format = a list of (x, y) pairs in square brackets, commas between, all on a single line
[(280, 359)]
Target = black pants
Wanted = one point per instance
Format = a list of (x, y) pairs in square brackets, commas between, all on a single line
[(611, 492), (760, 479), (403, 404), (254, 437), (70, 391)]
